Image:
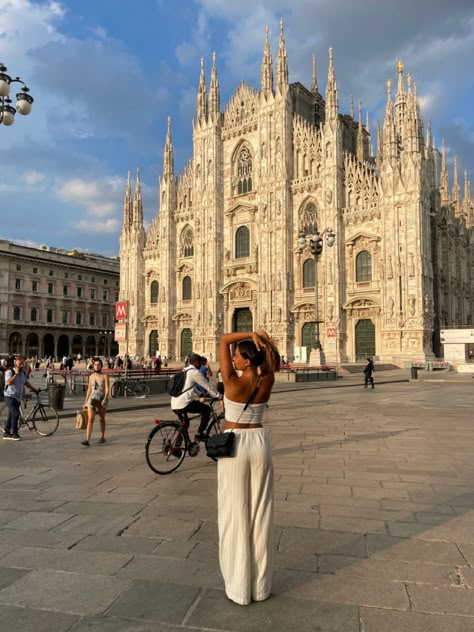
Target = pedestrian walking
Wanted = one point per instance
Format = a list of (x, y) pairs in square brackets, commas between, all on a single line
[(96, 400), (15, 381), (245, 481), (369, 373)]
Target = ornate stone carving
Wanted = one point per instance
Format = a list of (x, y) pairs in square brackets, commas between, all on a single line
[(240, 292)]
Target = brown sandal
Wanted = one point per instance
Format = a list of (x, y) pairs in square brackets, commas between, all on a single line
[(101, 440)]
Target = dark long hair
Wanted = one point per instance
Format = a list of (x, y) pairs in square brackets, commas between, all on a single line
[(250, 352)]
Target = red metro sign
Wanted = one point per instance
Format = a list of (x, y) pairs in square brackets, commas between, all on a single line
[(121, 310)]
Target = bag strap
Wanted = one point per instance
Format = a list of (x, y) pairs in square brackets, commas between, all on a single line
[(249, 401)]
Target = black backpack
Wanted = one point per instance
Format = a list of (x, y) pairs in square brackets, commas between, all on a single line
[(176, 384)]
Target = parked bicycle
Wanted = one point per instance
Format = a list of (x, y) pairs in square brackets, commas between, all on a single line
[(169, 441), (42, 419), (130, 387)]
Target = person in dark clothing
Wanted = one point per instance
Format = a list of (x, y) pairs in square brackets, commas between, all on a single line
[(369, 373)]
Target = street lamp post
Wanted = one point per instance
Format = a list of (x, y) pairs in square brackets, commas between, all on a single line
[(24, 100), (316, 245), (107, 333)]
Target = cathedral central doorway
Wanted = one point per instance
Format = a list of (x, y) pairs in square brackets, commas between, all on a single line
[(242, 320), (308, 337), (364, 340), (186, 343)]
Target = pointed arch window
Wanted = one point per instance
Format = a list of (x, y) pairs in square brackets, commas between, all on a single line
[(363, 267), (308, 218), (154, 292), (244, 171), (187, 243), (242, 242), (308, 273), (187, 288)]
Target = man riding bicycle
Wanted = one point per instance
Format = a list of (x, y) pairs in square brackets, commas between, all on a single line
[(186, 402)]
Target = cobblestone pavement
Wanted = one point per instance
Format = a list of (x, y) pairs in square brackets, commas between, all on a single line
[(374, 522)]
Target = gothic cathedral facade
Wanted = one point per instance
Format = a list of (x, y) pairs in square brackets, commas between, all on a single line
[(223, 253)]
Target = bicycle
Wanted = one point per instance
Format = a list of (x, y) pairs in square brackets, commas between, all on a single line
[(169, 441), (42, 419), (130, 387)]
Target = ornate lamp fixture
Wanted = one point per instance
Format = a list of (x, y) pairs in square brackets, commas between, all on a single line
[(23, 99)]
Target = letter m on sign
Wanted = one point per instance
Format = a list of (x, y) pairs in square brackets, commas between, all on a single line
[(121, 310)]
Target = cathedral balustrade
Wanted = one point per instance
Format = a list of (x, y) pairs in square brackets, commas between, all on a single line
[(306, 183), (244, 264)]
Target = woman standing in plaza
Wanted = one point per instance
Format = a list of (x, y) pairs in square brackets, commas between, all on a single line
[(245, 481), (96, 400)]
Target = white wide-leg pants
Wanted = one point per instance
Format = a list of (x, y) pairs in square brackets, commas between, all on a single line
[(245, 517)]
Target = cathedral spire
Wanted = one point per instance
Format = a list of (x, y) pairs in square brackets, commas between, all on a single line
[(168, 161), (351, 107), (127, 204), (467, 189), (266, 75), (444, 181), (367, 127), (214, 94), (202, 95), (360, 136), (456, 188), (282, 62), (389, 129), (379, 155), (137, 214), (314, 81), (332, 106)]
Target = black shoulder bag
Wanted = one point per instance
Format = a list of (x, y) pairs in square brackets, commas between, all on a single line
[(221, 445)]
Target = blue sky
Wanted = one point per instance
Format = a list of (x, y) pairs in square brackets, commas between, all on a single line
[(105, 75)]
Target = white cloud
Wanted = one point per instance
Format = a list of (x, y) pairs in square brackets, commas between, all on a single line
[(33, 178), (100, 198), (109, 226)]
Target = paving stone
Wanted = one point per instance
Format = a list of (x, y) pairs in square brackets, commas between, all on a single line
[(116, 544), (162, 528), (87, 524), (390, 569), (183, 571), (155, 601), (319, 541), (9, 576), (377, 620), (38, 538), (7, 516), (290, 519), (274, 615), (65, 492), (109, 509), (29, 620), (442, 599), (107, 624), (38, 520), (352, 524), (414, 550), (380, 493), (97, 563), (173, 548), (353, 590), (72, 593), (468, 551)]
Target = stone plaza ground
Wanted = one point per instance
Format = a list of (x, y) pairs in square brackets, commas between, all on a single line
[(374, 522)]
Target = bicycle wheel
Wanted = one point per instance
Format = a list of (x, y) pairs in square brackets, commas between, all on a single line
[(140, 390), (166, 447), (115, 389), (45, 420), (217, 425)]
